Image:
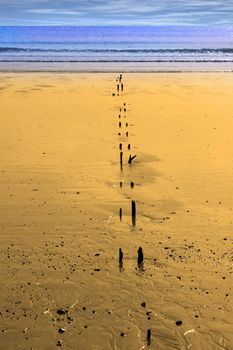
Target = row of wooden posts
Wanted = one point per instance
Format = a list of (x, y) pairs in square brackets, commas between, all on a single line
[(140, 257), (131, 158)]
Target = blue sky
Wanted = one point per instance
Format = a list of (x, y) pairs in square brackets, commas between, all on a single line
[(116, 12)]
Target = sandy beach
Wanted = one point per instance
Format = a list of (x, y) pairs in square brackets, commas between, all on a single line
[(61, 191)]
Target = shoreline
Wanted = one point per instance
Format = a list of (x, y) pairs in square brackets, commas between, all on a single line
[(112, 67)]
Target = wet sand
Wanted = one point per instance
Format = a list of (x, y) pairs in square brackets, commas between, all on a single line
[(62, 188)]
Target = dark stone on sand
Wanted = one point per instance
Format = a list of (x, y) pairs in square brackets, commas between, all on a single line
[(61, 330), (143, 304), (59, 343), (179, 323), (62, 311), (122, 334)]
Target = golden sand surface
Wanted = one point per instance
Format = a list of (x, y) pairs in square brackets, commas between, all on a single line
[(61, 283)]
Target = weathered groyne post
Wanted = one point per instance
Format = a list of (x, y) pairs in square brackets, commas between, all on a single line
[(140, 256), (133, 207)]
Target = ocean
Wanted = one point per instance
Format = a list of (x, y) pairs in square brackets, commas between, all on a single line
[(113, 47)]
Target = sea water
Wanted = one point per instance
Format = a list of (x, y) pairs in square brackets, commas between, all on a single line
[(116, 46)]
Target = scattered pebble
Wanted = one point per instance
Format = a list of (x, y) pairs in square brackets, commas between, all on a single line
[(61, 311), (59, 343), (61, 330)]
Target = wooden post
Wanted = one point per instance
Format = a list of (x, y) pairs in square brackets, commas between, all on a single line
[(131, 158), (140, 256), (121, 159), (148, 337), (120, 214), (120, 256), (133, 206)]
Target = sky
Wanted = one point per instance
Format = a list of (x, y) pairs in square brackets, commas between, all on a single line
[(116, 12)]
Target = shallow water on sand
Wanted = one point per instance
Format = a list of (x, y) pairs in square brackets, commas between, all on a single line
[(60, 200)]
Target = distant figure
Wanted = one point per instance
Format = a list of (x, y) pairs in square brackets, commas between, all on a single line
[(140, 256), (122, 87), (120, 78), (129, 146), (132, 184), (121, 184), (118, 87)]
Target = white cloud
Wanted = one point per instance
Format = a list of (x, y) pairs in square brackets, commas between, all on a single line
[(122, 11), (51, 11)]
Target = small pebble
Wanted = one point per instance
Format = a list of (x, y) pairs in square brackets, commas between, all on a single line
[(61, 330), (61, 312), (59, 343), (179, 323)]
